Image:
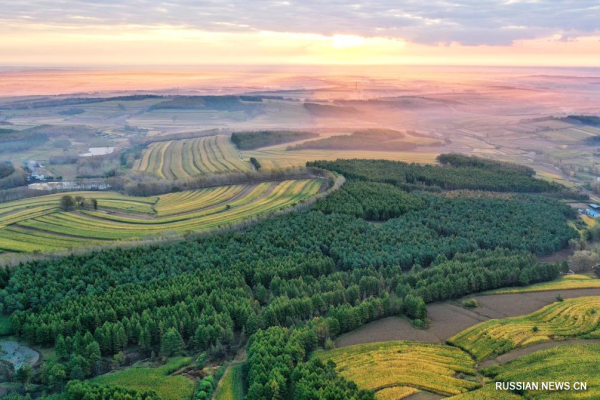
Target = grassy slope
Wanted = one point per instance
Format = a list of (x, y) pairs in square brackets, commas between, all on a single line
[(231, 386), (161, 380), (565, 282)]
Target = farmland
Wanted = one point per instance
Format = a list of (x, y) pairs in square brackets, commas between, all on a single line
[(565, 282), (161, 379), (561, 320), (39, 223), (404, 365), (548, 365), (181, 159), (280, 158)]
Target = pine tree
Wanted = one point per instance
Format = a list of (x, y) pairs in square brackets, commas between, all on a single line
[(60, 348), (171, 343)]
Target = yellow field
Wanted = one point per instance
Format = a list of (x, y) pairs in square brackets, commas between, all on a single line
[(569, 363), (181, 159), (574, 318), (589, 221), (406, 366), (38, 224), (395, 393), (565, 282), (280, 158), (554, 178)]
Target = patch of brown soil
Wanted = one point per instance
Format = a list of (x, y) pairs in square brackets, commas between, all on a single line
[(449, 318)]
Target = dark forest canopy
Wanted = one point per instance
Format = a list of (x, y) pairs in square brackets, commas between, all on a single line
[(462, 160), (370, 201), (254, 139), (461, 172), (591, 120), (56, 102), (14, 140), (368, 139), (6, 169), (220, 103), (326, 110)]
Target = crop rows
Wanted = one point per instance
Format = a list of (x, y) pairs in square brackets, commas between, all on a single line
[(181, 159), (568, 319), (569, 363), (46, 227), (429, 367)]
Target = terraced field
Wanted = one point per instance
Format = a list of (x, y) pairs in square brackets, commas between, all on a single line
[(399, 369), (570, 363), (38, 224), (574, 318), (181, 159)]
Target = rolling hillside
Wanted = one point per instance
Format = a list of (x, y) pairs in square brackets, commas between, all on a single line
[(39, 224), (180, 159)]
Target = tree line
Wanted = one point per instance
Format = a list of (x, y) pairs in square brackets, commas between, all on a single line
[(248, 140), (461, 172)]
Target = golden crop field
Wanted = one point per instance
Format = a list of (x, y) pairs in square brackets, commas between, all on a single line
[(280, 158), (569, 363), (564, 282), (38, 224), (395, 393), (572, 318), (408, 366), (180, 159)]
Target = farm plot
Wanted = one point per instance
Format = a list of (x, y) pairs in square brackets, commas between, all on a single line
[(181, 159), (575, 318), (569, 363), (565, 282), (274, 158), (402, 368), (40, 225)]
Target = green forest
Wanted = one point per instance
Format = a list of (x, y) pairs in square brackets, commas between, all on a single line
[(288, 285), (254, 139), (456, 172)]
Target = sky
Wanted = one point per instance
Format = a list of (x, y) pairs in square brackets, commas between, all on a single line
[(298, 32)]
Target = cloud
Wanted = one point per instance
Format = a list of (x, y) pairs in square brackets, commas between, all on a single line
[(468, 22)]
